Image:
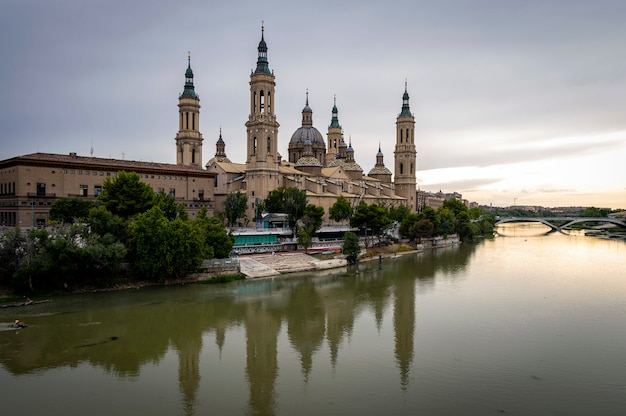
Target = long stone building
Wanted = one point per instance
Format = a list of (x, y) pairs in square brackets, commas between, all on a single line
[(29, 184)]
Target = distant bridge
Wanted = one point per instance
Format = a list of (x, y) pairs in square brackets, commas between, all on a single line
[(559, 223)]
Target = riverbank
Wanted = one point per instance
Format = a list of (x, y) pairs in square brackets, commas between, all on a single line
[(257, 266)]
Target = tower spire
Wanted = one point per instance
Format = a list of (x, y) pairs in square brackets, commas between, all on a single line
[(189, 90), (406, 110), (262, 66)]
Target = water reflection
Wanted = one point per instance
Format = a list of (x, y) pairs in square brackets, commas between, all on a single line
[(122, 333)]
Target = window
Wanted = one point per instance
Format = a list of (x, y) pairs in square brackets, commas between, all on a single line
[(172, 192), (41, 189), (215, 181), (83, 189), (201, 194), (269, 145), (254, 146), (401, 168), (161, 191), (97, 190)]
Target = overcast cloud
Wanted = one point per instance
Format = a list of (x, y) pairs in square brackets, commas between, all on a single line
[(513, 100)]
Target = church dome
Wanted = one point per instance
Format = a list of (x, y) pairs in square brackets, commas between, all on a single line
[(308, 161), (304, 132), (380, 170)]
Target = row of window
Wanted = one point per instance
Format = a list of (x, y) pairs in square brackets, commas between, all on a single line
[(96, 173), (7, 188), (87, 172)]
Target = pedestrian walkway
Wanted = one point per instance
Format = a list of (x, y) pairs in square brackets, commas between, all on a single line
[(271, 265)]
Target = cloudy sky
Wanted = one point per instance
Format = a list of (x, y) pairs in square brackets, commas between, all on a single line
[(516, 102)]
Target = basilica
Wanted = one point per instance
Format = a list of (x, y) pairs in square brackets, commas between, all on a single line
[(325, 169)]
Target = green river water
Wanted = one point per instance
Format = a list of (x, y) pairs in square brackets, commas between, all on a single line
[(526, 323)]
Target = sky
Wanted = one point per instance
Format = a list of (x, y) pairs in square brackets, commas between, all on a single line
[(515, 102)]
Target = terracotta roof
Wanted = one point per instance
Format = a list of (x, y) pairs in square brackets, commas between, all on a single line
[(97, 162)]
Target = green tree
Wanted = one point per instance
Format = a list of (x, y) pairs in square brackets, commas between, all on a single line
[(312, 218), (159, 248), (218, 242), (305, 238), (103, 222), (68, 210), (341, 210), (398, 213), (290, 201), (447, 222), (311, 222), (593, 212), (235, 206), (125, 195), (171, 209), (351, 248), (374, 216)]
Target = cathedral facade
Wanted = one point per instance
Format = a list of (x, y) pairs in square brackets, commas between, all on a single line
[(324, 169)]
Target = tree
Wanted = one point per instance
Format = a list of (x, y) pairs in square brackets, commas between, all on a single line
[(311, 222), (159, 248), (217, 241), (235, 206), (290, 201), (125, 195), (341, 210), (374, 216), (103, 222), (171, 209), (398, 213), (312, 218), (68, 210), (351, 248)]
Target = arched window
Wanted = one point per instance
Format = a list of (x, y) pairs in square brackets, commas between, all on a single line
[(401, 168), (254, 146), (269, 145), (262, 101)]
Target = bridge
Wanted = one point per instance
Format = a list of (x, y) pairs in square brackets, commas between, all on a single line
[(559, 223)]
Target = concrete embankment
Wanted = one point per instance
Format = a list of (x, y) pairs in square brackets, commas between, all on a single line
[(272, 265)]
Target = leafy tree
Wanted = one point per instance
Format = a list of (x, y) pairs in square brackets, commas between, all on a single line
[(305, 238), (447, 222), (235, 206), (374, 217), (341, 210), (422, 229), (311, 222), (593, 212), (351, 248), (103, 222), (290, 201), (217, 241), (68, 210), (160, 248), (312, 218), (171, 209), (125, 195), (398, 213)]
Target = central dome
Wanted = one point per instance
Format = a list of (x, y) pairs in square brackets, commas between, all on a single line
[(304, 132)]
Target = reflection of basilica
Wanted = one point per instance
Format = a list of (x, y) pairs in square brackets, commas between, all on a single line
[(317, 314)]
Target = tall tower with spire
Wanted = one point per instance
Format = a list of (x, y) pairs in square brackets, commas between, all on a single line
[(405, 154), (189, 139), (334, 135), (262, 130)]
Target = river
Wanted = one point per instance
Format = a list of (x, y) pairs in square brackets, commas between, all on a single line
[(526, 323)]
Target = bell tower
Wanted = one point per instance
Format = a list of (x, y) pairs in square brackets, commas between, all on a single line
[(262, 130), (405, 154), (189, 139), (334, 135)]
